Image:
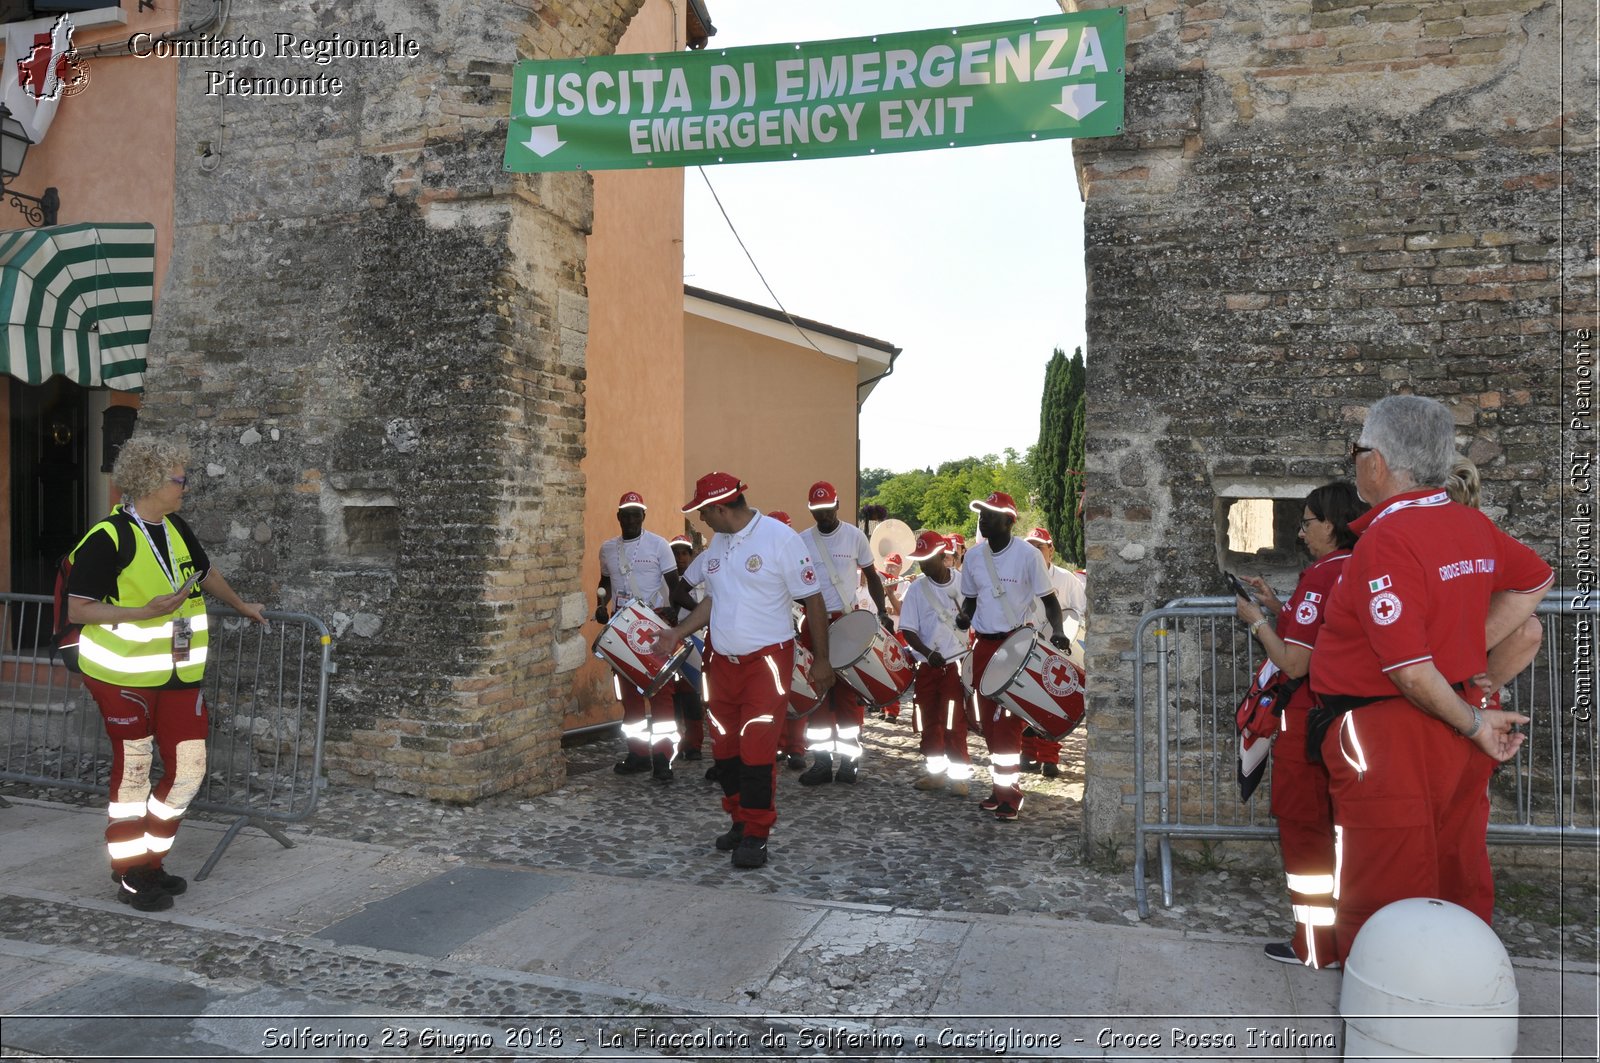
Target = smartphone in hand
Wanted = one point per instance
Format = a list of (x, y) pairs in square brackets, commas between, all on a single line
[(188, 584), (1239, 586)]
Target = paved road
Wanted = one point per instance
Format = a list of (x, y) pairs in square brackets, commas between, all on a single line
[(597, 922)]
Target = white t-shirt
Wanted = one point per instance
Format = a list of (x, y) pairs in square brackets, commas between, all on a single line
[(1023, 581), (920, 614), (848, 552), (647, 558), (753, 577), (1070, 593)]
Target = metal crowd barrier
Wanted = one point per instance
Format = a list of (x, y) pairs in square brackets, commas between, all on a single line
[(1193, 662), (267, 693)]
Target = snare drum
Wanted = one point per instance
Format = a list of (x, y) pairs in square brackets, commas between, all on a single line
[(1037, 682), (803, 697), (629, 644), (868, 658)]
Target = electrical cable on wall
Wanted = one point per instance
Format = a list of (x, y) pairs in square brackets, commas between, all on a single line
[(803, 334)]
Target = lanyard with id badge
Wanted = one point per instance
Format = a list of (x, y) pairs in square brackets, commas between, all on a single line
[(182, 627)]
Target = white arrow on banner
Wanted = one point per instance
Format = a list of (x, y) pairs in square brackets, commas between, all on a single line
[(1078, 100), (543, 139)]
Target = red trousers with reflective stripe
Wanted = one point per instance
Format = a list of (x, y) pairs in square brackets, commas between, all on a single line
[(842, 705), (1036, 747), (941, 703), (1305, 837), (130, 714), (1001, 730), (748, 705), (1412, 824), (636, 708)]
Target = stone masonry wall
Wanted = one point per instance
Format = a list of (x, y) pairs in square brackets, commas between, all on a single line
[(1317, 203), (374, 338)]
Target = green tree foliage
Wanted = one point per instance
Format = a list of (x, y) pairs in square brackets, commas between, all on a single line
[(1072, 530), (1057, 468), (938, 498), (868, 482)]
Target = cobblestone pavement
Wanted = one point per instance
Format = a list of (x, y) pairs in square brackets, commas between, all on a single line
[(881, 842)]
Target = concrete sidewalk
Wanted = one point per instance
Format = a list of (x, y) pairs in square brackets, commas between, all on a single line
[(339, 949)]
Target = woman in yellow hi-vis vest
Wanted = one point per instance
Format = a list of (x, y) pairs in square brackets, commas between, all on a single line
[(133, 587)]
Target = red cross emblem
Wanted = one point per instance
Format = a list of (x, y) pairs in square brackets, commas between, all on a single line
[(1385, 608), (1060, 678), (642, 638)]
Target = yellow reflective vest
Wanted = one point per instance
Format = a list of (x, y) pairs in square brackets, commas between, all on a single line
[(138, 653)]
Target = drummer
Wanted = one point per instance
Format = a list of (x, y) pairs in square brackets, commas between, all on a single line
[(998, 591), (753, 569), (792, 743), (686, 703), (1069, 587), (928, 622), (637, 566), (843, 556)]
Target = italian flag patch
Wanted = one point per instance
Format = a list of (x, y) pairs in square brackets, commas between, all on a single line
[(1380, 584)]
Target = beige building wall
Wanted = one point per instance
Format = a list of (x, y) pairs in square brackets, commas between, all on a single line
[(776, 414), (634, 392)]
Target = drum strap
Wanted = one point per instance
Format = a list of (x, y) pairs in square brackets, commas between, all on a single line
[(1000, 589), (940, 603), (849, 600)]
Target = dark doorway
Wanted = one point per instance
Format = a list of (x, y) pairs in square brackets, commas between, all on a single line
[(49, 483)]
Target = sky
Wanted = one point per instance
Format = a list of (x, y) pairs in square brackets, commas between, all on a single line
[(968, 259)]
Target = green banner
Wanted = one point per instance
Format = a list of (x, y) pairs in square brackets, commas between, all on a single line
[(1032, 79)]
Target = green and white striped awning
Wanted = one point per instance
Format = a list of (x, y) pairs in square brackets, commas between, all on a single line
[(76, 300)]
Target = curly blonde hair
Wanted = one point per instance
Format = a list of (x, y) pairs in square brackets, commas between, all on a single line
[(1463, 485), (144, 463)]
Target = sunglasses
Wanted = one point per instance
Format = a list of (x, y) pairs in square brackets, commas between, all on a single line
[(1356, 450), (181, 481)]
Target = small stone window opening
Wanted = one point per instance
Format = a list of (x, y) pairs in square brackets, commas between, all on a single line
[(372, 531), (1260, 536)]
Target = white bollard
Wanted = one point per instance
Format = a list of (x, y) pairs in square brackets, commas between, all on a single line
[(1427, 979)]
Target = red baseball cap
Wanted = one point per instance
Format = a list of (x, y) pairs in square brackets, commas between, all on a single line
[(779, 514), (894, 559), (956, 539), (714, 487), (631, 500), (1040, 535), (822, 496), (683, 541), (929, 543), (999, 502)]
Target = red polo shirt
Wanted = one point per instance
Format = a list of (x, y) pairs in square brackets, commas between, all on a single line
[(1416, 588), (1307, 609)]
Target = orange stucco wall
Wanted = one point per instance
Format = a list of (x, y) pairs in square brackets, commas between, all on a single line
[(109, 153), (634, 392), (778, 416), (110, 150)]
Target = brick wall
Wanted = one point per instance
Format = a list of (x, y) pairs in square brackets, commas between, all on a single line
[(1316, 204), (374, 338)]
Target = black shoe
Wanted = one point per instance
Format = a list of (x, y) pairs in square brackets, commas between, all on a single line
[(1006, 812), (797, 762), (140, 889), (989, 804), (820, 772), (171, 883), (847, 770), (752, 852), (1050, 771), (633, 764), (1281, 951), (728, 841), (711, 773), (660, 768), (691, 754)]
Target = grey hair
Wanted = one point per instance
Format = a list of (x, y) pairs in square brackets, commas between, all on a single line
[(1416, 437), (144, 463)]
